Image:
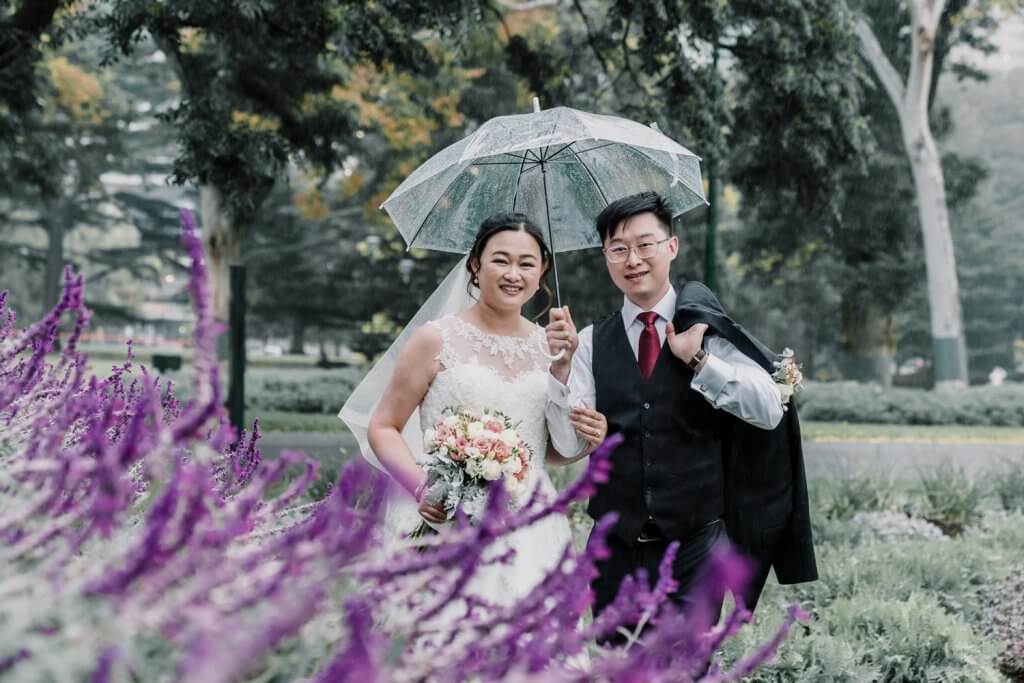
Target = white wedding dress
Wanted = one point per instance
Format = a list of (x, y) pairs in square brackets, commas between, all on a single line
[(510, 374)]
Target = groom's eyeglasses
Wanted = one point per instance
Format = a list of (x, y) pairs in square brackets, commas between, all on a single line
[(644, 250)]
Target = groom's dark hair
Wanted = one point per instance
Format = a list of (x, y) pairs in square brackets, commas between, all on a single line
[(633, 205)]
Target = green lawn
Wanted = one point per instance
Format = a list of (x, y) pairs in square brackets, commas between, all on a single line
[(883, 433), (275, 421)]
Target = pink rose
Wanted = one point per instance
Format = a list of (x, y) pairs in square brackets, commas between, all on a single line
[(494, 426), (501, 451)]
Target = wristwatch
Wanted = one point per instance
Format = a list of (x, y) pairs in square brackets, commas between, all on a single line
[(697, 358)]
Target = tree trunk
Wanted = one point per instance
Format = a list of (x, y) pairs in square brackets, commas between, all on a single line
[(949, 345), (950, 354), (53, 274), (298, 342), (236, 393), (222, 240), (868, 346), (223, 246), (911, 102)]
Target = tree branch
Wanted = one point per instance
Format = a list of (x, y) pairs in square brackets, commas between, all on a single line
[(873, 53)]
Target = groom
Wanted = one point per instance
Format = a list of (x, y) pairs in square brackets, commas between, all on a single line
[(678, 396)]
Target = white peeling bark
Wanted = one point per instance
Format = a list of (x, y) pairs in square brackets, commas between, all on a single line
[(911, 103)]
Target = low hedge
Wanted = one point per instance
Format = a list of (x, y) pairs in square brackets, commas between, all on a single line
[(1001, 405), (290, 390), (315, 390)]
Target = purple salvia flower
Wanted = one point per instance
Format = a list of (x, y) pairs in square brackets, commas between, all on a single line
[(359, 661), (179, 539), (105, 666)]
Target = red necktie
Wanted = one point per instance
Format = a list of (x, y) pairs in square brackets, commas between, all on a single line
[(650, 346)]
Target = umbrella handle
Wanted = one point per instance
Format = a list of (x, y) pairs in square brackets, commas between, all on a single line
[(544, 352)]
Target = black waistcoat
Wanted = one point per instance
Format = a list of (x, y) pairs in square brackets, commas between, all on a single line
[(670, 465)]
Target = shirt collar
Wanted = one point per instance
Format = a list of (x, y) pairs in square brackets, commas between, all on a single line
[(665, 308)]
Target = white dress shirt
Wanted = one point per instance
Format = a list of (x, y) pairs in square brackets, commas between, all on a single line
[(729, 380)]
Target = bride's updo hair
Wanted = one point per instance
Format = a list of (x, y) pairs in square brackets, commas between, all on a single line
[(500, 222)]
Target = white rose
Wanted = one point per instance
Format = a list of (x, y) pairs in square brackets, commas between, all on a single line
[(491, 469), (451, 421), (450, 442), (473, 452), (509, 436), (515, 487), (512, 466), (786, 391), (429, 436), (475, 429)]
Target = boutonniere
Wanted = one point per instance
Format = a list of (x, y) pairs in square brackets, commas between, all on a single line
[(788, 376)]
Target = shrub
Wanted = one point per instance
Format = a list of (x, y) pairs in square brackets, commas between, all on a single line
[(912, 640), (1001, 405), (952, 500), (896, 570), (1007, 483), (872, 636), (896, 526), (848, 493), (293, 390)]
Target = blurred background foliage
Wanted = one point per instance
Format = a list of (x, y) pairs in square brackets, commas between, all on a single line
[(115, 114)]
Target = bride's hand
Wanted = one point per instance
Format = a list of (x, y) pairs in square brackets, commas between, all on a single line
[(591, 425), (428, 511)]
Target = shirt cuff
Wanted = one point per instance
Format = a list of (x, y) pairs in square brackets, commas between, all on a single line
[(558, 393), (712, 379)]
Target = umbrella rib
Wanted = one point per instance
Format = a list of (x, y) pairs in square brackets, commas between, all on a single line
[(564, 147), (519, 177), (604, 197)]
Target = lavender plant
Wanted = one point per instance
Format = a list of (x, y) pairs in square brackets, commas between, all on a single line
[(141, 540)]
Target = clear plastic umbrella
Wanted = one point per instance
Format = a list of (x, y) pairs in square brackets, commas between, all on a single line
[(559, 166)]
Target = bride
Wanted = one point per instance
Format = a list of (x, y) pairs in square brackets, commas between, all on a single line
[(475, 352)]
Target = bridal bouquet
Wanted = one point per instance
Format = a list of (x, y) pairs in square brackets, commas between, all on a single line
[(465, 452), (788, 376)]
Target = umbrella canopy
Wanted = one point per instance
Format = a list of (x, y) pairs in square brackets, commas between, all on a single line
[(559, 166)]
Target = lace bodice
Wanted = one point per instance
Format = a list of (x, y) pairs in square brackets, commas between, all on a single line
[(481, 370)]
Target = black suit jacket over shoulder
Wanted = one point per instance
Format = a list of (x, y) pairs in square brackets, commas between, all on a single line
[(766, 507)]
